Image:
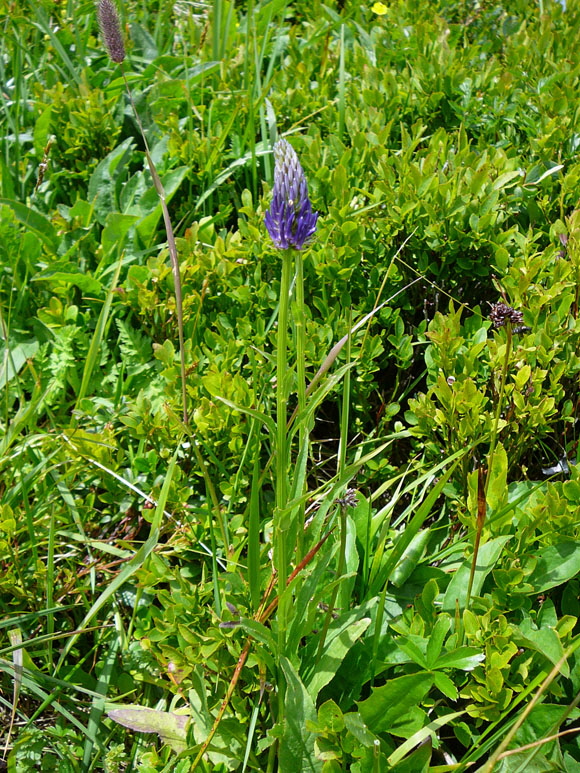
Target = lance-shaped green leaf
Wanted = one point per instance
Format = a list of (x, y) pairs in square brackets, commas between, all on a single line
[(169, 726)]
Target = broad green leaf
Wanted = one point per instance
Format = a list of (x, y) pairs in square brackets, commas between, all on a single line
[(34, 221), (480, 177), (197, 72), (302, 624), (330, 717), (547, 616), (464, 658), (505, 179), (339, 182), (333, 655), (571, 765), (297, 743), (69, 274), (171, 728), (389, 703), (544, 720), (555, 565), (102, 180), (406, 725), (356, 725), (544, 640), (486, 560), (116, 229)]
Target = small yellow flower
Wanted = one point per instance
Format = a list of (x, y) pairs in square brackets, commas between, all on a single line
[(379, 8)]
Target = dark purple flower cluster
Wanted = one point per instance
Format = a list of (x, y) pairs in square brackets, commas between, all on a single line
[(290, 220), (348, 499), (501, 313)]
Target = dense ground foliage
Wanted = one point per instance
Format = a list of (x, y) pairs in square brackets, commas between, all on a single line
[(420, 505)]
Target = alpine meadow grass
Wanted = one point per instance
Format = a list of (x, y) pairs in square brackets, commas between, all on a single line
[(289, 386)]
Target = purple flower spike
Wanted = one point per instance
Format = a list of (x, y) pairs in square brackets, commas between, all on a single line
[(290, 220)]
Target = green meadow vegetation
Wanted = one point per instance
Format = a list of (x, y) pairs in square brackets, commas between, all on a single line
[(269, 509)]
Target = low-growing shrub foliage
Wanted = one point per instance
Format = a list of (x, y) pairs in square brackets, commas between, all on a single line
[(289, 317)]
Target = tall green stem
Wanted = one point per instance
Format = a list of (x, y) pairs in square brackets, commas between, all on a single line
[(492, 446), (280, 517), (494, 431), (299, 326), (344, 418)]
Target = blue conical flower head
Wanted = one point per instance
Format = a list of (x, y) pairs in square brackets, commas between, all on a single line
[(290, 220)]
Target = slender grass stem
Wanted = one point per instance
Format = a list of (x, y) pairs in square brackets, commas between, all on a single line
[(50, 574), (171, 246), (341, 85), (216, 29)]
